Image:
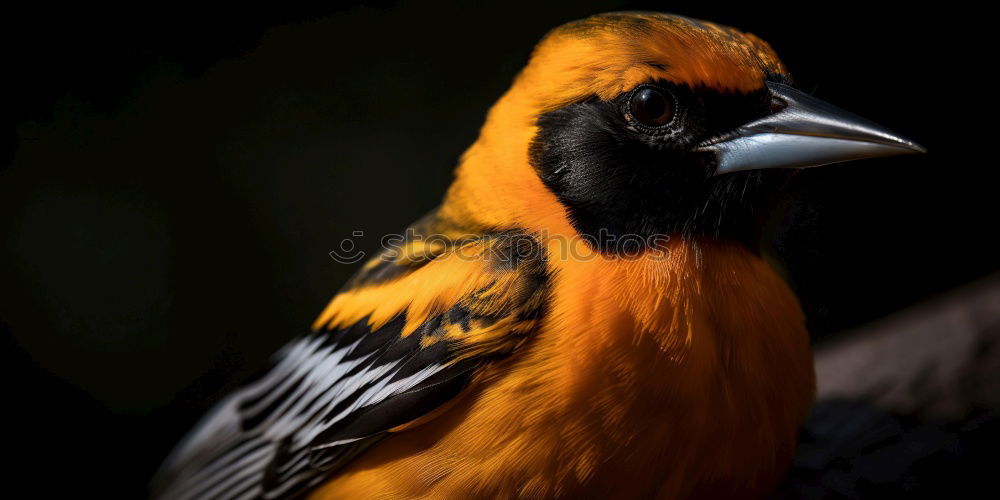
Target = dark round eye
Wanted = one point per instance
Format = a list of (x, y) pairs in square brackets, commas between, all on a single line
[(651, 107)]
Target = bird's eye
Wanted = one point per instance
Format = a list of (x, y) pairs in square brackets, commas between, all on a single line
[(651, 107)]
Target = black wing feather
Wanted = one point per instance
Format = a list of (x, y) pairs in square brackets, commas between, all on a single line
[(334, 393)]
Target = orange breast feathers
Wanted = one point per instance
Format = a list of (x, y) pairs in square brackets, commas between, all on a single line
[(682, 374)]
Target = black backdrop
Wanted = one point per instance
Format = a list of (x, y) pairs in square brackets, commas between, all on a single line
[(172, 180)]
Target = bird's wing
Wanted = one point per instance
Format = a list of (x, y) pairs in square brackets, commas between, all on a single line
[(405, 336)]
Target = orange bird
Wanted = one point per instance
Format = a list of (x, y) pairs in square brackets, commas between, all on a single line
[(586, 314)]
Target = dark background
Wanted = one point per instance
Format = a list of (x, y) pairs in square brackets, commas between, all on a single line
[(172, 180)]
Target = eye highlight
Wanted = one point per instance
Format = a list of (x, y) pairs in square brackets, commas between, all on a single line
[(651, 106)]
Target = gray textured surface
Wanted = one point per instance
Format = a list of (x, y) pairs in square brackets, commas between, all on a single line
[(936, 360), (908, 407)]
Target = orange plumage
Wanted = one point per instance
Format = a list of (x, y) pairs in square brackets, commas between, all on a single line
[(667, 379), (687, 371), (585, 315)]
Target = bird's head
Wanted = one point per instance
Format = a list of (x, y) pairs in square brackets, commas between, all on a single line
[(643, 124)]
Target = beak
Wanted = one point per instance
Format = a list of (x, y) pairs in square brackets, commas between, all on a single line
[(804, 132)]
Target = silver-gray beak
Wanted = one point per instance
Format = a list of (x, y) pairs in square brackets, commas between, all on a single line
[(803, 132)]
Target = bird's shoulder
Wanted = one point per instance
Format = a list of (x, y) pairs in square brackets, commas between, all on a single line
[(406, 335)]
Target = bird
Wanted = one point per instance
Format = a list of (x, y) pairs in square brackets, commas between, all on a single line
[(587, 313)]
